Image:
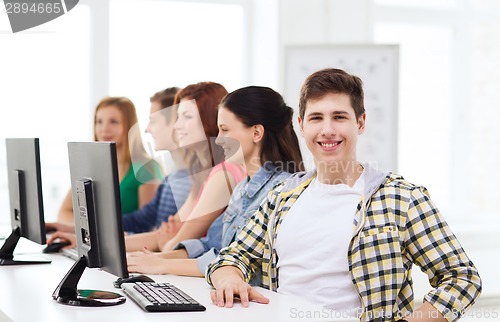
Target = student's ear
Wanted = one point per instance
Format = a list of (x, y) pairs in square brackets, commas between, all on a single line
[(258, 133), (361, 124), (301, 126)]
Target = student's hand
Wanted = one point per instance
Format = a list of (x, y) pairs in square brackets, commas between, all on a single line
[(167, 232), (174, 224), (139, 253), (57, 226), (169, 246), (146, 263), (63, 236), (174, 254), (228, 283)]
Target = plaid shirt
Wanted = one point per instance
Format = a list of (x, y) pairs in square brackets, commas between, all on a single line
[(396, 227)]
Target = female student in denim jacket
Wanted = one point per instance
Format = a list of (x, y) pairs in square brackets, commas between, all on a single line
[(255, 127)]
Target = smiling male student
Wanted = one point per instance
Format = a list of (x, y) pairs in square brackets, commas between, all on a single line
[(345, 236)]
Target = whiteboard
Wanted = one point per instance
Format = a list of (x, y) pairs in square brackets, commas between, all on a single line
[(377, 66)]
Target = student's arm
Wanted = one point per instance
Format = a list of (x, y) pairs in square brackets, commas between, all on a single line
[(426, 313), (155, 265), (147, 192), (65, 215), (453, 276), (51, 227), (179, 254), (144, 219), (210, 205), (139, 242), (206, 248), (228, 281), (233, 268), (149, 240), (175, 262)]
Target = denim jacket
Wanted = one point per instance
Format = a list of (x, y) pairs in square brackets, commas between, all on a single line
[(244, 202)]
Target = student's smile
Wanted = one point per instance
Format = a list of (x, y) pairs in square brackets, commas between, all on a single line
[(331, 129), (109, 124), (188, 127), (329, 145)]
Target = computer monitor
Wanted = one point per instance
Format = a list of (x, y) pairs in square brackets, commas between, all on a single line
[(26, 204), (98, 222)]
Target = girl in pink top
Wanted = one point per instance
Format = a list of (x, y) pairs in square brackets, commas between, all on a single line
[(213, 180)]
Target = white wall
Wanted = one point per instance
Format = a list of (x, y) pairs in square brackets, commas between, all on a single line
[(337, 21), (271, 25)]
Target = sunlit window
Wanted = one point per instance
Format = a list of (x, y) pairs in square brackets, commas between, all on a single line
[(45, 90), (159, 44), (47, 71), (449, 96)]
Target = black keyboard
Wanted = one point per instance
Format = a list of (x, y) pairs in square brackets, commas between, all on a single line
[(160, 297)]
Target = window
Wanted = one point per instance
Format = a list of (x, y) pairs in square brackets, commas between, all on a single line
[(52, 76), (450, 89), (449, 95), (169, 43), (45, 93)]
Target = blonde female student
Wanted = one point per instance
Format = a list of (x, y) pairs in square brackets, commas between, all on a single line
[(139, 175), (212, 179), (175, 187), (255, 128)]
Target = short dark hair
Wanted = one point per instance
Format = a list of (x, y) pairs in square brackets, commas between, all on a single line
[(332, 80), (165, 97)]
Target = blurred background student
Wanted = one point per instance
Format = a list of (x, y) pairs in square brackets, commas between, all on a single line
[(212, 179), (176, 186), (139, 175)]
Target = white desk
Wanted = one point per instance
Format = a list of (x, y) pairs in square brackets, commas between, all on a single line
[(26, 295)]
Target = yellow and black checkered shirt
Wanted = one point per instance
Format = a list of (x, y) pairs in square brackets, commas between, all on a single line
[(396, 227)]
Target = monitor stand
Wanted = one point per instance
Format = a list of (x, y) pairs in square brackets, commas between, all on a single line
[(67, 292), (7, 256)]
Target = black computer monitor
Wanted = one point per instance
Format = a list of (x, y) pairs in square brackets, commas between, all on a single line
[(26, 204), (98, 222)]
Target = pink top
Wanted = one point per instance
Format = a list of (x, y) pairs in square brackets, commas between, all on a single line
[(236, 171)]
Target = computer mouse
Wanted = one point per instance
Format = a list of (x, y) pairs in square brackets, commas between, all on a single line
[(55, 247), (132, 279)]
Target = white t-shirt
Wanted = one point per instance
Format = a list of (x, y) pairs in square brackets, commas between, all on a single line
[(312, 245)]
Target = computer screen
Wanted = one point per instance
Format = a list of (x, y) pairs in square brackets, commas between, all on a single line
[(98, 221), (26, 204)]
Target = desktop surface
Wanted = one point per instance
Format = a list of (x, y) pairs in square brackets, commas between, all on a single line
[(27, 296)]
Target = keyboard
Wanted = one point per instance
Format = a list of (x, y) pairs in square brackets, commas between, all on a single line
[(160, 297)]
